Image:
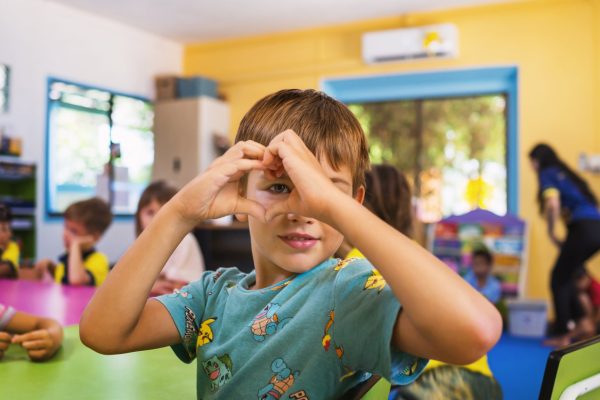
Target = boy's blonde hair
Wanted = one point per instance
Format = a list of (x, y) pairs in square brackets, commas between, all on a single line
[(327, 127), (94, 214)]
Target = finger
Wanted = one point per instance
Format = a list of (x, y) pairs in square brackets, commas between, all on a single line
[(244, 149), (250, 207), (277, 209), (4, 345), (5, 337), (38, 354), (33, 335), (36, 344), (236, 169)]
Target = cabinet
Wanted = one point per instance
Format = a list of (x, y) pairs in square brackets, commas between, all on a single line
[(18, 191), (186, 133)]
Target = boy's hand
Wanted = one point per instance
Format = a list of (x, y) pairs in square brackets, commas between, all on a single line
[(288, 155), (39, 344), (83, 242), (218, 191), (4, 342)]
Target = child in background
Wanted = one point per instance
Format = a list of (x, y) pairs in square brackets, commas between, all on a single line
[(186, 263), (82, 264), (9, 250), (301, 325), (40, 337), (388, 195), (480, 276)]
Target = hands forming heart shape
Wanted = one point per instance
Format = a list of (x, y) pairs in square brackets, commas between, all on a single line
[(221, 190)]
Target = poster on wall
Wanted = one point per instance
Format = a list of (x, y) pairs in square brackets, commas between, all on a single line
[(453, 240)]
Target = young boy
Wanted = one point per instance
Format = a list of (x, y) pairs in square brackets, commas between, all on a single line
[(302, 325), (480, 276), (9, 250), (82, 264), (40, 337)]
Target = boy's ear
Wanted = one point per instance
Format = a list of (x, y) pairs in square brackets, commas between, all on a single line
[(360, 194)]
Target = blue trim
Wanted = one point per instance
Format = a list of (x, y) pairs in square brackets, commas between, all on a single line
[(439, 84), (49, 215)]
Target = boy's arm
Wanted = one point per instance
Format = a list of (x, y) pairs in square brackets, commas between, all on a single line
[(442, 316), (40, 337), (7, 270), (77, 272), (120, 318)]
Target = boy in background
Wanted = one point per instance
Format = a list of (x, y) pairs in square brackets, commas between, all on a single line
[(9, 250), (82, 264), (301, 325), (480, 276)]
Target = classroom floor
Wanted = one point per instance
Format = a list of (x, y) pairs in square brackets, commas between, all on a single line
[(518, 364)]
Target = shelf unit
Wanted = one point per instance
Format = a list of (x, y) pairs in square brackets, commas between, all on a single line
[(18, 192)]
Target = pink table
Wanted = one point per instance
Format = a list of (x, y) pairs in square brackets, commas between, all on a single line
[(61, 302)]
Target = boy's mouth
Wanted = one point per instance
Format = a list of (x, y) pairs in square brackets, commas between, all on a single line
[(299, 240)]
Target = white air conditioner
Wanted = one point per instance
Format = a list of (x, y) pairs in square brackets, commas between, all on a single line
[(411, 43)]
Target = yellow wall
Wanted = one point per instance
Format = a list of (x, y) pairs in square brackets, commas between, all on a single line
[(554, 43)]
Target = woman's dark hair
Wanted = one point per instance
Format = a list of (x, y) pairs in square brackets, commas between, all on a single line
[(546, 157), (388, 196)]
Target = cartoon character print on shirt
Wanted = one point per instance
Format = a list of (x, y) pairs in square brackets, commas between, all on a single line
[(191, 330), (267, 322), (280, 382), (205, 333), (343, 264), (181, 292), (218, 370), (375, 281)]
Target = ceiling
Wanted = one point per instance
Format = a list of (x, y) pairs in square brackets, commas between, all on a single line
[(188, 21)]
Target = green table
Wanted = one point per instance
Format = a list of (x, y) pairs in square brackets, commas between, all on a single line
[(77, 372)]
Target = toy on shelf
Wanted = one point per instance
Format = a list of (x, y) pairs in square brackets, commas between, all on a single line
[(453, 240)]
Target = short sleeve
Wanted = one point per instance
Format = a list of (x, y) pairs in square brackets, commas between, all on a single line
[(548, 181), (6, 314), (97, 266), (12, 255), (186, 306), (365, 313)]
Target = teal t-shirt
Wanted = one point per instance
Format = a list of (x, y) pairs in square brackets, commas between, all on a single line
[(310, 336)]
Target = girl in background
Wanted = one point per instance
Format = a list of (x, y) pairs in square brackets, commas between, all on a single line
[(186, 263), (562, 194)]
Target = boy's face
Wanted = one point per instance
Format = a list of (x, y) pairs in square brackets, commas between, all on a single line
[(481, 267), (291, 242), (5, 234), (76, 230)]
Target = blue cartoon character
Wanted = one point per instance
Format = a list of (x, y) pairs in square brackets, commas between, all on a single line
[(267, 322), (279, 383), (218, 370)]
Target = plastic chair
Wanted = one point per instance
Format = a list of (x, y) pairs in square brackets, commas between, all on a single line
[(374, 388)]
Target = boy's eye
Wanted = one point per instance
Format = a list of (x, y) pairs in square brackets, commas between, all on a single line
[(279, 188)]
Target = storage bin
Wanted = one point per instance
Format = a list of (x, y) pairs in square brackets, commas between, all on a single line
[(527, 318), (196, 86)]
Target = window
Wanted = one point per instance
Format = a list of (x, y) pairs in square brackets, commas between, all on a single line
[(452, 150), (449, 108), (4, 87), (99, 143)]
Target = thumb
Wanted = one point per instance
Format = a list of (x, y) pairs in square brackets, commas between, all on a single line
[(277, 209), (250, 207)]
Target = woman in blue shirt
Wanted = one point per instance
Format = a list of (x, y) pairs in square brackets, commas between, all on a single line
[(563, 194)]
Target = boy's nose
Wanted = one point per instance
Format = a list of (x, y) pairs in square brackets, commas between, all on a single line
[(298, 218)]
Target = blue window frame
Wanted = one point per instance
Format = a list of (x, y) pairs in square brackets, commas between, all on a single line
[(98, 143), (442, 84), (4, 87)]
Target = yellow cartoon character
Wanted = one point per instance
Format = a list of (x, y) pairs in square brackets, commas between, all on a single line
[(375, 281), (343, 264), (326, 341), (205, 333)]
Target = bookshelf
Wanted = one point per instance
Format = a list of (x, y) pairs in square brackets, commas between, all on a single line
[(18, 191)]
